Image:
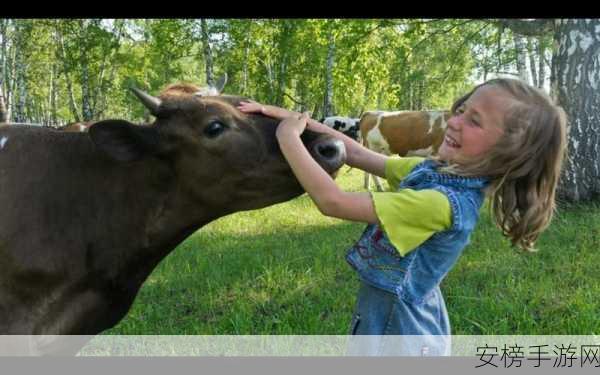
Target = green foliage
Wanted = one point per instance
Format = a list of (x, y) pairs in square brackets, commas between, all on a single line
[(378, 64)]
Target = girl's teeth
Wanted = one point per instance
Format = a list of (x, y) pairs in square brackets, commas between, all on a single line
[(451, 142)]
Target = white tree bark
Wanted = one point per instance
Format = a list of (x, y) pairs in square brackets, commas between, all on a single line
[(205, 37), (3, 35), (576, 83), (328, 103), (541, 63), (86, 106), (532, 58), (521, 58), (71, 96)]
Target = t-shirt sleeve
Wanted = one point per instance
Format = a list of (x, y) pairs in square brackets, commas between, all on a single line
[(396, 168), (409, 217)]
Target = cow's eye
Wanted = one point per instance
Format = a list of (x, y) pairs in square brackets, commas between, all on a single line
[(214, 129)]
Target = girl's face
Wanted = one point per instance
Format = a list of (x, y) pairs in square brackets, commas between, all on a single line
[(476, 126)]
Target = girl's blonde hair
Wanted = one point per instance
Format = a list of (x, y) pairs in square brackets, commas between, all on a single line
[(525, 165)]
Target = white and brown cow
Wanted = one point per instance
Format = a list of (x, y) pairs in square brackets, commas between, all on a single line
[(178, 89), (404, 133), (346, 125), (76, 127), (86, 217)]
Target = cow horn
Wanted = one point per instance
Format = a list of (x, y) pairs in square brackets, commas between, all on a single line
[(221, 83), (149, 101)]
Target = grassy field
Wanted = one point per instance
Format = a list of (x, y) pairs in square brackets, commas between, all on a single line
[(281, 270)]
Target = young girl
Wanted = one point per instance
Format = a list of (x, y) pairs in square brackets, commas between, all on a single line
[(506, 140)]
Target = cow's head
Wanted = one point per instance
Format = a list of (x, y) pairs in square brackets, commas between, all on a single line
[(221, 158), (352, 132)]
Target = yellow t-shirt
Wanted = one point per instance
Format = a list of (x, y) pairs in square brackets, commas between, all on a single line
[(409, 217)]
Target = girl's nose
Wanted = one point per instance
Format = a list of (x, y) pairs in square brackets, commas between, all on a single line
[(454, 122)]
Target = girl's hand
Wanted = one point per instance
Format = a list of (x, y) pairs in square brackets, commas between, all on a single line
[(251, 107), (294, 125)]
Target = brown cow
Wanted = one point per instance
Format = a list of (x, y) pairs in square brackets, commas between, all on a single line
[(404, 133), (86, 217)]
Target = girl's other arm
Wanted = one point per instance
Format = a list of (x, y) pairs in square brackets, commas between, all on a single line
[(358, 156)]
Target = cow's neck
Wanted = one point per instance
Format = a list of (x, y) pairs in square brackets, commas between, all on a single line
[(166, 218)]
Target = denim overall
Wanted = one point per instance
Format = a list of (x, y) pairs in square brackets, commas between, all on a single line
[(401, 295)]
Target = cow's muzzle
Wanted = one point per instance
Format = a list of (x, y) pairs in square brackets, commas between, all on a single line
[(329, 152)]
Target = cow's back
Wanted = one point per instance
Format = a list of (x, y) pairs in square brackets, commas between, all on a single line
[(367, 122), (414, 132), (404, 132)]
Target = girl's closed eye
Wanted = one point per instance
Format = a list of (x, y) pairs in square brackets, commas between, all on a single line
[(470, 119)]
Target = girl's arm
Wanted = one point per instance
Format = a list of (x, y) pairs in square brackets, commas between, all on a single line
[(357, 155), (328, 197)]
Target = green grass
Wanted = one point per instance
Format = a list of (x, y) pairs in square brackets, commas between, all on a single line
[(281, 270)]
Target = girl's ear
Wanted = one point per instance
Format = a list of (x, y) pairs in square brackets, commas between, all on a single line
[(124, 141)]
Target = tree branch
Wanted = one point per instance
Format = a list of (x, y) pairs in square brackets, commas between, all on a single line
[(537, 27), (431, 34), (463, 44), (294, 100)]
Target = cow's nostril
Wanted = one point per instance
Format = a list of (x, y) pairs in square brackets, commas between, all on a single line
[(328, 151)]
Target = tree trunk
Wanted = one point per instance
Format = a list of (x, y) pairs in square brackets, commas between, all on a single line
[(531, 53), (20, 74), (270, 80), (20, 104), (283, 49), (205, 37), (281, 79), (63, 56), (366, 96), (103, 94), (541, 63), (2, 109), (328, 109), (380, 98), (52, 95), (521, 58), (317, 111), (11, 82), (301, 94), (3, 35), (576, 83), (245, 66), (9, 52), (86, 108)]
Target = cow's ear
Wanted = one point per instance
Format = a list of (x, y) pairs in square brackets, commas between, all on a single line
[(124, 141)]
